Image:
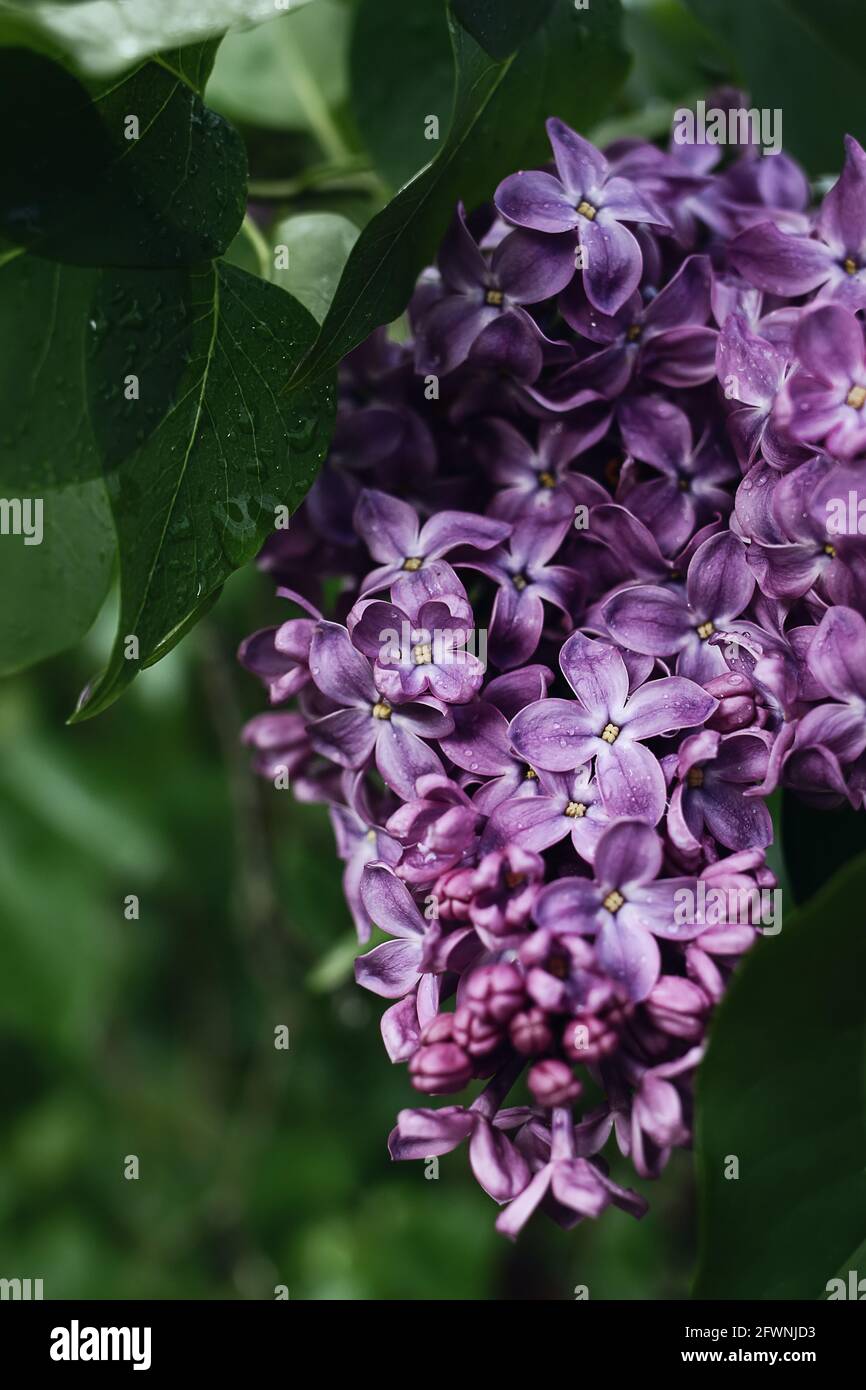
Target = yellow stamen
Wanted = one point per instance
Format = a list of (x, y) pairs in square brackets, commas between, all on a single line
[(586, 209), (857, 397), (576, 809), (494, 297), (519, 581), (422, 655), (633, 332), (695, 777), (614, 900), (546, 480), (381, 710), (706, 630), (413, 562), (610, 733), (849, 265), (830, 550)]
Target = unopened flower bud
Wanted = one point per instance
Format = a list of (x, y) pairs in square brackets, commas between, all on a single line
[(678, 1007), (552, 1082), (530, 1032), (477, 1033), (439, 1029), (589, 1038), (737, 706), (440, 1068), (495, 991)]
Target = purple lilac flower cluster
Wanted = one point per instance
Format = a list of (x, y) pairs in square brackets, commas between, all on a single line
[(626, 447)]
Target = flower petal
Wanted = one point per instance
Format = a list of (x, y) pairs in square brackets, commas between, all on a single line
[(391, 970), (613, 263), (389, 903), (630, 955), (556, 735), (498, 1165), (597, 674), (536, 200), (780, 264)]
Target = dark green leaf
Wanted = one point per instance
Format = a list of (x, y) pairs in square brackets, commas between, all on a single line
[(401, 59), (782, 1090), (194, 64), (804, 58), (675, 58), (570, 68), (135, 173), (107, 36), (816, 844), (46, 438), (200, 461), (501, 26), (53, 587)]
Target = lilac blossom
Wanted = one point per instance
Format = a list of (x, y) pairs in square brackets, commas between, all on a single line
[(526, 579), (834, 259), (690, 488), (587, 199), (626, 906), (668, 622), (410, 555), (823, 401), (412, 658), (608, 723), (713, 773), (481, 301), (366, 725), (662, 336), (647, 455)]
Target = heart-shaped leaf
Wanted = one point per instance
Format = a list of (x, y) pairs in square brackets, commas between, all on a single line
[(133, 173), (106, 36), (201, 448)]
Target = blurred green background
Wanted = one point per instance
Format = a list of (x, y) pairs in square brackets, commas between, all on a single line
[(155, 1037)]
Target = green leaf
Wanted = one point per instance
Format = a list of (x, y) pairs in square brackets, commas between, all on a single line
[(54, 583), (135, 173), (675, 57), (570, 68), (782, 1090), (46, 439), (289, 75), (811, 858), (401, 59), (200, 461), (106, 36), (316, 246), (501, 26), (805, 59)]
